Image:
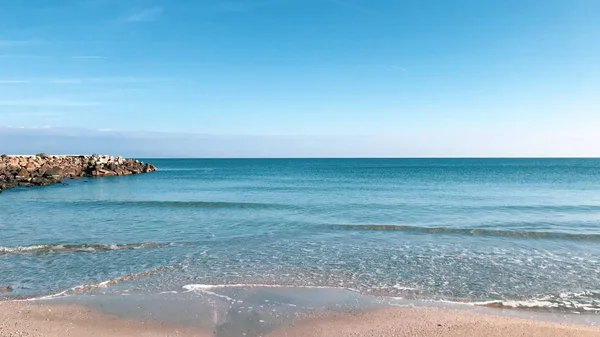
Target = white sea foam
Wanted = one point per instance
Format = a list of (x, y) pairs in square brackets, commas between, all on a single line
[(191, 287), (539, 304), (49, 248), (25, 248), (102, 285), (400, 287)]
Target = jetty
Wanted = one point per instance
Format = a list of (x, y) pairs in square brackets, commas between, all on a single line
[(43, 169)]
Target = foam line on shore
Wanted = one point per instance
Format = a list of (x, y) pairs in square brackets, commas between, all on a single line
[(58, 248), (571, 302), (516, 234), (192, 287), (103, 284)]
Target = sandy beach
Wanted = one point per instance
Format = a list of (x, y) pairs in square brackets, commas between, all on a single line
[(25, 319), (32, 320), (430, 322)]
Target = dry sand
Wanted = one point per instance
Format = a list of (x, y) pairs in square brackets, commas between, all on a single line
[(34, 319), (429, 323), (37, 320)]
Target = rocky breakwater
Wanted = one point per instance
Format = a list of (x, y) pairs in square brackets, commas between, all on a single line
[(42, 169)]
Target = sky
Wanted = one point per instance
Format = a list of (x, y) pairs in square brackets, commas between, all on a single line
[(301, 78)]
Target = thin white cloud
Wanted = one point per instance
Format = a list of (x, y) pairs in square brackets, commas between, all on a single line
[(51, 102), (33, 114), (402, 69), (13, 81), (148, 14)]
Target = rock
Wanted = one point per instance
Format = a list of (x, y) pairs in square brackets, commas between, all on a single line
[(105, 172), (43, 169), (31, 166), (149, 168), (40, 181), (5, 289), (23, 173), (54, 172)]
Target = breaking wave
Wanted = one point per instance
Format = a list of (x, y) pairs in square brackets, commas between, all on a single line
[(105, 284), (585, 301), (472, 231), (575, 302), (58, 248)]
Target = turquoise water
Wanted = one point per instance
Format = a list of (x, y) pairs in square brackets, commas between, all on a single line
[(521, 232)]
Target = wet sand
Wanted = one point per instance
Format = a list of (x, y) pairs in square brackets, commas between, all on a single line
[(34, 319), (27, 319), (429, 322)]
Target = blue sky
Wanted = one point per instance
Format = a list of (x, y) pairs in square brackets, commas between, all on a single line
[(359, 78)]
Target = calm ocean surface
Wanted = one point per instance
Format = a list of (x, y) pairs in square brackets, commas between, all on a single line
[(523, 232)]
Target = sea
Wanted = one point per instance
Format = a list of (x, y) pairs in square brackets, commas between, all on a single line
[(509, 233)]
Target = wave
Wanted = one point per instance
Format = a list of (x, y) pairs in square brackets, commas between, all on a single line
[(59, 248), (585, 301), (104, 284), (540, 305), (124, 278), (572, 302), (192, 287), (472, 231), (536, 208), (206, 288), (181, 204)]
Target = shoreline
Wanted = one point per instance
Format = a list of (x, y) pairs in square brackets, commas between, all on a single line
[(47, 318), (279, 298), (428, 322), (34, 319)]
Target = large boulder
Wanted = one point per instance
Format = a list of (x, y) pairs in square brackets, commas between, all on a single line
[(23, 174), (31, 166), (54, 172), (41, 181), (149, 168)]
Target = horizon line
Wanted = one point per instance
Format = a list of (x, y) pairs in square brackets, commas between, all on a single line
[(241, 158)]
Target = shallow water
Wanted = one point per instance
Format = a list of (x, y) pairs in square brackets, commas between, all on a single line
[(228, 311), (517, 232)]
